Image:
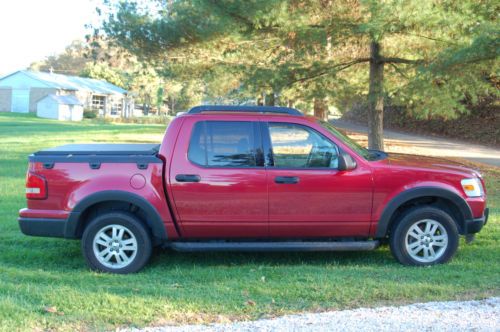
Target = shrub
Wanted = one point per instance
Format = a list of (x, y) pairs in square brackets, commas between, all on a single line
[(137, 120), (89, 114)]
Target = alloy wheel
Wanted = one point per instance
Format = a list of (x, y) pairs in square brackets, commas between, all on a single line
[(426, 240), (115, 246)]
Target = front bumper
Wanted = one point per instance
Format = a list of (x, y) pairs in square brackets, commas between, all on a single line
[(475, 225), (43, 227)]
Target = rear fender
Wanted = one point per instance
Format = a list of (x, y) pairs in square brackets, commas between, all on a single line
[(152, 218)]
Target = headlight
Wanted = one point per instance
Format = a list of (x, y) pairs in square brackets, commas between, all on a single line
[(472, 187)]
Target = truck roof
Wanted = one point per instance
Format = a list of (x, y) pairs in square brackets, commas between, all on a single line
[(276, 110)]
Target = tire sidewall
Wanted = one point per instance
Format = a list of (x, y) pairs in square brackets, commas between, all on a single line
[(398, 236), (143, 237)]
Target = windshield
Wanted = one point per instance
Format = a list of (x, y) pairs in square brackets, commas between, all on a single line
[(365, 153)]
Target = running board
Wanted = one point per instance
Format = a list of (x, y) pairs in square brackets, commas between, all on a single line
[(275, 246)]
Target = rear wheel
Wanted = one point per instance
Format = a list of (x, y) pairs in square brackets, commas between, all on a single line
[(116, 242), (424, 236)]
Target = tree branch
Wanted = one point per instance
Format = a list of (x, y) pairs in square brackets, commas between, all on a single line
[(431, 38), (398, 70), (401, 60), (338, 67), (233, 15)]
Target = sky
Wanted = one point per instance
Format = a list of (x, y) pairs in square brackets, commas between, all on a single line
[(31, 30)]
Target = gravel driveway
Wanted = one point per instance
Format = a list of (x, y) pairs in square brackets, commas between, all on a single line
[(481, 315), (427, 145)]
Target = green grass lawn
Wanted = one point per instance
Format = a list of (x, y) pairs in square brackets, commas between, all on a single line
[(39, 273)]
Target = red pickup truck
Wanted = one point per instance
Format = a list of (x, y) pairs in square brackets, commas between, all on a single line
[(249, 178)]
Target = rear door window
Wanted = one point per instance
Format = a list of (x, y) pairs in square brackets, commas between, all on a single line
[(226, 144)]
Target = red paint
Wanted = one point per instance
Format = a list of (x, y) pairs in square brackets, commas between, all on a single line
[(400, 172), (137, 181), (49, 214), (246, 202), (324, 203)]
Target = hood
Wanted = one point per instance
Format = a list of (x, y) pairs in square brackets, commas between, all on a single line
[(431, 163)]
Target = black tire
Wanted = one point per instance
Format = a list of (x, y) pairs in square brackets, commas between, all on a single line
[(409, 250), (106, 225)]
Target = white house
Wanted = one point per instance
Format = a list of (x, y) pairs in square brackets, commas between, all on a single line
[(66, 108), (22, 90)]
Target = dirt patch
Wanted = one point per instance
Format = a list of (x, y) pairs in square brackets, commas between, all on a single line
[(481, 125)]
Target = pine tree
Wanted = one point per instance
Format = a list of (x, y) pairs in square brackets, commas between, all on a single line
[(427, 55)]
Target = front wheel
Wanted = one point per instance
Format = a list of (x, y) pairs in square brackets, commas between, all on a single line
[(116, 242), (424, 236)]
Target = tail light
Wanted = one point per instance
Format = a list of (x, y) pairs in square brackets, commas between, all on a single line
[(36, 186)]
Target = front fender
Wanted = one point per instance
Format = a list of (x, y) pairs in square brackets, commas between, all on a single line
[(388, 212)]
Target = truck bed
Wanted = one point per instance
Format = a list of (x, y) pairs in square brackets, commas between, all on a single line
[(98, 153)]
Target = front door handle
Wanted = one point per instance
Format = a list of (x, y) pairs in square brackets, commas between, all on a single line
[(187, 178), (286, 179)]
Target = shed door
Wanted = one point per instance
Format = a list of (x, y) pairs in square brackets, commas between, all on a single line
[(64, 112), (20, 100)]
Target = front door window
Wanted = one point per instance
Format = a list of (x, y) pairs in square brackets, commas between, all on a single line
[(296, 146)]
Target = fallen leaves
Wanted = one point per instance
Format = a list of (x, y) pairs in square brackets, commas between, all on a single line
[(52, 310), (250, 303)]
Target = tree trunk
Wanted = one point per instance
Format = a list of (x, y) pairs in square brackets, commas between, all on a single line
[(320, 108), (376, 99), (146, 104), (270, 99), (172, 106), (260, 100)]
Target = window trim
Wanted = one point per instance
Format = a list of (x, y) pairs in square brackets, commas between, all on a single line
[(268, 146), (98, 102), (258, 146)]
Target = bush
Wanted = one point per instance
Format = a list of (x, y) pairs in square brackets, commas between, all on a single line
[(137, 120), (89, 114), (156, 119)]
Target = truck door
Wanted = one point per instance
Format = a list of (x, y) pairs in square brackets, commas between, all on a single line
[(308, 195), (218, 179)]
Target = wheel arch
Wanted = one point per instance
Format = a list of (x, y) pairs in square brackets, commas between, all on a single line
[(113, 198), (443, 198)]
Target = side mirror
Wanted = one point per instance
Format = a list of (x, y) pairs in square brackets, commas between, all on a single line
[(346, 162)]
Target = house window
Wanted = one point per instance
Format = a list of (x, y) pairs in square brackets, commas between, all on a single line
[(98, 102), (116, 107)]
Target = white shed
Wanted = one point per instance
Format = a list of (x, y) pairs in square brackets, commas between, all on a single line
[(66, 108)]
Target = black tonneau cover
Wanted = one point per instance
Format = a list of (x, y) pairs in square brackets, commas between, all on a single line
[(101, 150), (96, 154)]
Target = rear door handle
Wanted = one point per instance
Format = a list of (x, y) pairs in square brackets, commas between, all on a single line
[(187, 178), (286, 179)]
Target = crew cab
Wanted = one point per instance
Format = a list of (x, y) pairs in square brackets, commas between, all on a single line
[(249, 178)]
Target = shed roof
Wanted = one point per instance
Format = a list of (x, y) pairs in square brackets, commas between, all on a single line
[(66, 82), (64, 100)]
